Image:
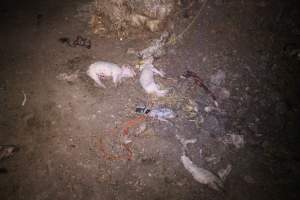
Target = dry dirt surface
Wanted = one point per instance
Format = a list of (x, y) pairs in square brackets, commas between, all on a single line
[(70, 133)]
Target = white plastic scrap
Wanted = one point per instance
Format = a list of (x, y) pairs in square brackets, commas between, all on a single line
[(162, 114), (201, 175)]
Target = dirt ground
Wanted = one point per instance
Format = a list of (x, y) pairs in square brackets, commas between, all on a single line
[(69, 132)]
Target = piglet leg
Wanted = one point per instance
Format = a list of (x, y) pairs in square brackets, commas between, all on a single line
[(156, 71), (96, 78)]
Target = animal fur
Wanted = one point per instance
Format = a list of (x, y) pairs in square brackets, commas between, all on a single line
[(147, 79), (201, 175), (103, 69)]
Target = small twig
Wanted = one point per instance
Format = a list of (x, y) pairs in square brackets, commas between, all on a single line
[(25, 99)]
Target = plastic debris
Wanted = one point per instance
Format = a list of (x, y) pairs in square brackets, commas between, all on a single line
[(202, 175), (142, 109), (162, 114)]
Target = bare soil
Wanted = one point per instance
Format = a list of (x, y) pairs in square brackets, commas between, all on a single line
[(69, 131)]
